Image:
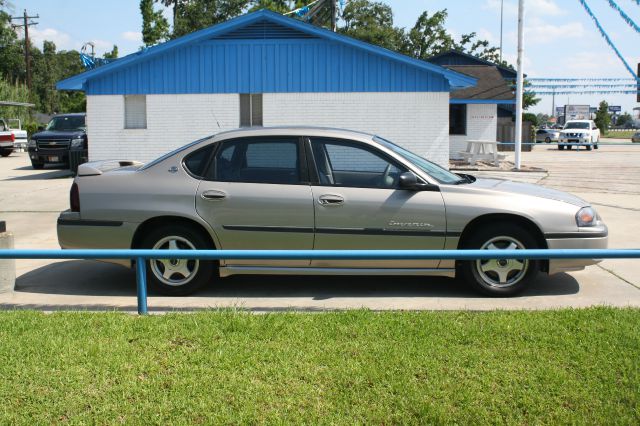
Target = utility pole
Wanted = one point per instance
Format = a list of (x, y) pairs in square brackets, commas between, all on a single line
[(519, 84), (501, 24), (334, 15), (26, 23)]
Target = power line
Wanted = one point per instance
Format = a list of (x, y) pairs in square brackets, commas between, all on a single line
[(26, 24)]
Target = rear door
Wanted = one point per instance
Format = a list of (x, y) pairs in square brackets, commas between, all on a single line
[(359, 205), (256, 195)]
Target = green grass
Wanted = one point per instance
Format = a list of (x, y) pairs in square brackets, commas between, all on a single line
[(570, 366), (623, 134)]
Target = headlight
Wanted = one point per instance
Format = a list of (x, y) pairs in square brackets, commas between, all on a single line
[(77, 143), (586, 216), (31, 143)]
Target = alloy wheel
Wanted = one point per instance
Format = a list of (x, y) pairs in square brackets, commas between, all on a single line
[(502, 273), (174, 272)]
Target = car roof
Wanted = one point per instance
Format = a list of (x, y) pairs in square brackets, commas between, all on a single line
[(72, 114), (294, 131)]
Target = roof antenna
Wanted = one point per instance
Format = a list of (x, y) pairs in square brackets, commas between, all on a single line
[(215, 118)]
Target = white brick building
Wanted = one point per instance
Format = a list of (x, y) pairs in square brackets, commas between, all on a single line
[(264, 69)]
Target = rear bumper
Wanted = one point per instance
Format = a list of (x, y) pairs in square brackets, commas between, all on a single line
[(600, 240), (76, 233)]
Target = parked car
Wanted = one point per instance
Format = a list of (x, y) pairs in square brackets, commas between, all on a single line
[(635, 137), (547, 135), (19, 135), (63, 141), (579, 133), (310, 188), (6, 139)]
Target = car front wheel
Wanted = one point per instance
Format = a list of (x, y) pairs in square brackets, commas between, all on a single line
[(5, 152), (500, 277), (178, 277)]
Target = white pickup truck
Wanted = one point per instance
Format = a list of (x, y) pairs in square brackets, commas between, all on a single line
[(579, 133), (11, 137)]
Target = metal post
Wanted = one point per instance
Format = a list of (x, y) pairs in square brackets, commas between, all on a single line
[(519, 85), (141, 281), (501, 25), (334, 15)]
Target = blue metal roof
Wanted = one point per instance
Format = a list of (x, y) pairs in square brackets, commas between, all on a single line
[(265, 52)]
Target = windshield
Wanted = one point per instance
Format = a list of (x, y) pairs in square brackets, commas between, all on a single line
[(577, 125), (67, 123), (440, 174), (172, 153)]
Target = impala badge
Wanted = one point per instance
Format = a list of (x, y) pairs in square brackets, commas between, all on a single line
[(410, 224)]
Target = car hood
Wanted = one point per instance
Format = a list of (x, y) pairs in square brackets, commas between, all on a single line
[(56, 134), (507, 186)]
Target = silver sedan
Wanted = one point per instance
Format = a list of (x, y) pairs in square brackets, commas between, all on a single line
[(310, 188)]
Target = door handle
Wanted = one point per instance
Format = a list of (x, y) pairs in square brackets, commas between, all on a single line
[(331, 200), (213, 195)]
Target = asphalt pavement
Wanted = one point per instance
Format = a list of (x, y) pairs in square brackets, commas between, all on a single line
[(30, 201)]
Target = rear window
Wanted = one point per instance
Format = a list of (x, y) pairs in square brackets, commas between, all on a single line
[(197, 161)]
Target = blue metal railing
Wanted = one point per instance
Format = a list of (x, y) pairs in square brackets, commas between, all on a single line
[(140, 257)]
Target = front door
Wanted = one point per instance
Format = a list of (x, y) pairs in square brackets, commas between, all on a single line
[(358, 205), (257, 196)]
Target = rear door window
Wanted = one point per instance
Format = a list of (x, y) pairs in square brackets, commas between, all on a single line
[(274, 160)]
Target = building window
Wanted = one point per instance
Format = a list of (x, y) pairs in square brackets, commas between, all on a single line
[(135, 112), (250, 110), (458, 119)]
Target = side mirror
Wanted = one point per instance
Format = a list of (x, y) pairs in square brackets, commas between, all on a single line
[(409, 180)]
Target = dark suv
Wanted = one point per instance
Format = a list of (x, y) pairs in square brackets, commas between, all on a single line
[(63, 141)]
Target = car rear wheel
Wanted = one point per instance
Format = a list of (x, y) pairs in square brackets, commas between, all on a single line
[(37, 166), (496, 277), (547, 140), (5, 152), (178, 277), (561, 147)]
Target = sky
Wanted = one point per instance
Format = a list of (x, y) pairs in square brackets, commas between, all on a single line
[(561, 40)]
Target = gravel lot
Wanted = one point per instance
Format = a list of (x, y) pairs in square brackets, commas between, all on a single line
[(609, 178)]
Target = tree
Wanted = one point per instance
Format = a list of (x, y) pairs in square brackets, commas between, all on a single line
[(113, 54), (429, 37), (372, 22), (155, 27), (603, 119), (198, 14), (624, 119)]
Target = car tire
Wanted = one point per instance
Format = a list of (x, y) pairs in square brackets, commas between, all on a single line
[(561, 147), (547, 140), (37, 166), (495, 277), (588, 147), (5, 152), (569, 147), (174, 277)]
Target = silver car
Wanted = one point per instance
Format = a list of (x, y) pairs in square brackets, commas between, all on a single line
[(310, 188), (547, 135)]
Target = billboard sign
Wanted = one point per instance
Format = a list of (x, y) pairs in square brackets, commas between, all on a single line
[(577, 112), (615, 108), (559, 111)]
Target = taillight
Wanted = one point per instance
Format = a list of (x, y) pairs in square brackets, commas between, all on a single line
[(13, 137), (74, 198)]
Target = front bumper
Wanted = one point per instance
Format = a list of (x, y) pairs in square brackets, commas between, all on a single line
[(574, 141), (77, 233), (596, 238), (53, 156)]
